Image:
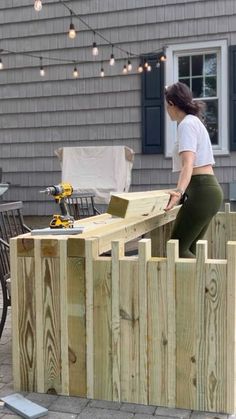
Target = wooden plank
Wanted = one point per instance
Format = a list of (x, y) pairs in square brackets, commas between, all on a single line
[(129, 322), (102, 329), (185, 334), (90, 254), (157, 332), (159, 237), (144, 254), (64, 318), (15, 315), (216, 337), (201, 259), (39, 304), (231, 328), (117, 254), (51, 320), (76, 327), (172, 256), (138, 203), (120, 229)]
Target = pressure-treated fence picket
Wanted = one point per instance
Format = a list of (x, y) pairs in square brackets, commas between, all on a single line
[(141, 328)]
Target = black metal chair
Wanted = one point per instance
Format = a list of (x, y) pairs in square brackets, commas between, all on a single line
[(81, 206), (11, 225), (5, 286), (11, 220)]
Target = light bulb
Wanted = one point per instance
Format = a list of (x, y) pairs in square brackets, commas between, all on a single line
[(125, 71), (145, 64), (112, 60), (129, 65), (72, 32), (38, 5), (95, 49), (75, 73), (42, 71), (140, 68), (163, 58), (157, 64), (102, 72), (1, 64), (149, 68)]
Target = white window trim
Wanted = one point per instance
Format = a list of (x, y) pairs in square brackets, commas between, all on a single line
[(171, 76)]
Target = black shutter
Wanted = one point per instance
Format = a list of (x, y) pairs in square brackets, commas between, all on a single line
[(153, 108), (232, 96)]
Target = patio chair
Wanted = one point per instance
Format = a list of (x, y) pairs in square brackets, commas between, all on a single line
[(11, 225), (11, 220), (81, 206), (5, 291)]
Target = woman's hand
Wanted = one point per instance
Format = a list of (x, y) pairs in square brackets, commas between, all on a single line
[(175, 197)]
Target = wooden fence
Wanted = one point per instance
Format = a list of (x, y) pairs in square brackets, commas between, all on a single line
[(141, 329)]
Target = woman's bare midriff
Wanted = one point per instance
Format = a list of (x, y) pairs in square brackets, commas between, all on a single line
[(203, 170)]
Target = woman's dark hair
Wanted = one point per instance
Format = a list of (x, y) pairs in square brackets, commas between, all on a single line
[(180, 95)]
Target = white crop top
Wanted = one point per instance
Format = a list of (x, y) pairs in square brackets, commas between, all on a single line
[(192, 136)]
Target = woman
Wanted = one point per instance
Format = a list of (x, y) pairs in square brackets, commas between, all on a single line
[(193, 158)]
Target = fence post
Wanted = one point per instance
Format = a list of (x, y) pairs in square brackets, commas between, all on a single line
[(91, 252), (231, 327), (201, 257), (172, 256), (117, 253), (144, 250)]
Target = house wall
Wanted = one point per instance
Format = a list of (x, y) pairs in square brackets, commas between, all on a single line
[(38, 115)]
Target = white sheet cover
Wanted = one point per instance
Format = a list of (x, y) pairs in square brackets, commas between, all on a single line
[(99, 170)]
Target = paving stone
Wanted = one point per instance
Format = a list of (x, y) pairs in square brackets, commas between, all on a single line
[(44, 400), (58, 415), (176, 413), (143, 416), (6, 390), (94, 413), (5, 373), (103, 404), (204, 415), (138, 408), (9, 416), (69, 404)]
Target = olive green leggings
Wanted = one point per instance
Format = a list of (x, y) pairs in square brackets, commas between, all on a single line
[(204, 198)]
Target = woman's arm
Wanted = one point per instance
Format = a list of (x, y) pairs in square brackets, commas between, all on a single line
[(187, 160)]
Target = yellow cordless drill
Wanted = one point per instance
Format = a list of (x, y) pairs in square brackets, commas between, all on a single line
[(60, 192)]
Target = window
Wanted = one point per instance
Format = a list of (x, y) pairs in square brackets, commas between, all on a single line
[(203, 67)]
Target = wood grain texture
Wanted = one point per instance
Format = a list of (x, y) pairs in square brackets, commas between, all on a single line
[(144, 254), (231, 329), (51, 325), (138, 203), (117, 254), (157, 332), (76, 327), (102, 329), (129, 323), (172, 256), (185, 334)]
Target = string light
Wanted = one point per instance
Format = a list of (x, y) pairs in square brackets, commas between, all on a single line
[(149, 68), (38, 5), (95, 47), (102, 73), (1, 64), (112, 57), (75, 72), (140, 68), (125, 70), (163, 58), (129, 66), (72, 31), (42, 71)]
